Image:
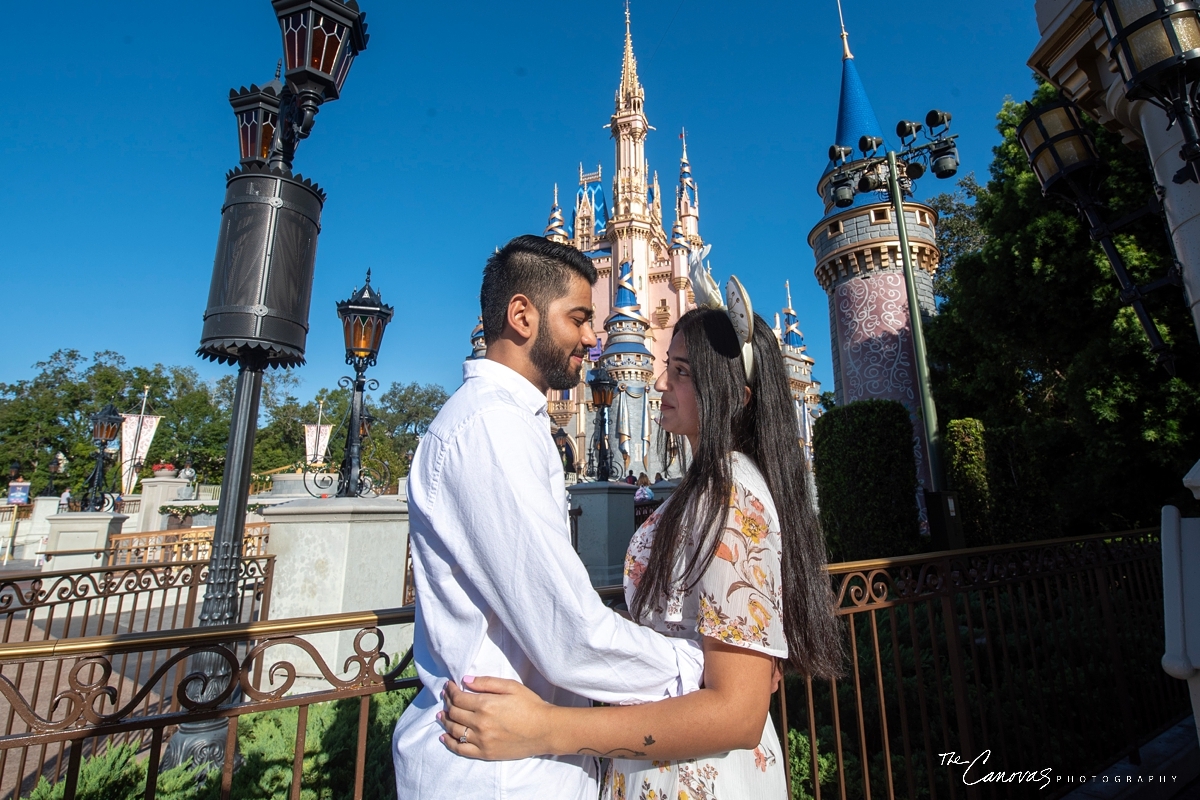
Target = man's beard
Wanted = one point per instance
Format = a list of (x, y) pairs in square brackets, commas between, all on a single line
[(552, 363)]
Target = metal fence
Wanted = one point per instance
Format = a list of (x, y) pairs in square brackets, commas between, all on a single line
[(20, 511), (1041, 656), (90, 716), (1021, 659), (183, 544), (54, 610)]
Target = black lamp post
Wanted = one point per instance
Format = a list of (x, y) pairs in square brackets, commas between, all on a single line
[(258, 302), (52, 469), (364, 318), (562, 441), (603, 388), (1063, 156), (14, 469), (1156, 47), (106, 426)]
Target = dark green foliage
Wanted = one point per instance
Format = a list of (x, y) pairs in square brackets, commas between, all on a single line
[(1033, 340), (966, 471), (117, 774), (49, 413), (866, 480)]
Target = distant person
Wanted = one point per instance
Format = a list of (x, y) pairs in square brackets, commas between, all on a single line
[(734, 559), (499, 588), (658, 477), (643, 493), (632, 481)]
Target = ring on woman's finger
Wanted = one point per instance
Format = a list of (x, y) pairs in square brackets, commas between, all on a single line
[(463, 739)]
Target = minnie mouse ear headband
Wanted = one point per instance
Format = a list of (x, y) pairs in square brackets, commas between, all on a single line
[(736, 303)]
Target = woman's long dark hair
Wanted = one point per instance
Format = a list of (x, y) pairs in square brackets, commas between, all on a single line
[(766, 430)]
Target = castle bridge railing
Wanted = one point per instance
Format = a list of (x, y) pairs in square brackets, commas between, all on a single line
[(1044, 656)]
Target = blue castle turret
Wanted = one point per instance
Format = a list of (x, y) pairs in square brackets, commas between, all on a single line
[(860, 267), (631, 364)]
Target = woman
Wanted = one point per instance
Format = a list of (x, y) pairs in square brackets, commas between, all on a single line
[(734, 559)]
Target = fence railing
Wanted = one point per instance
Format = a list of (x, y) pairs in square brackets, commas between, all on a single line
[(183, 544), (1043, 656), (96, 709), (1036, 656), (22, 511), (52, 611)]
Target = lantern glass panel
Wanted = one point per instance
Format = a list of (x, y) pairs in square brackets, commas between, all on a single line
[(247, 132), (1073, 150), (1150, 46), (268, 136), (1187, 30), (295, 39), (1106, 18), (1031, 137), (1045, 166), (343, 67), (1058, 120), (328, 38), (1131, 11)]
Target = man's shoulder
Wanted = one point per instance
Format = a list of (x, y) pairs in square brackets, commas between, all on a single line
[(477, 403)]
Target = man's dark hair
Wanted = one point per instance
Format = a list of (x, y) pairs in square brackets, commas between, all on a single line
[(533, 266)]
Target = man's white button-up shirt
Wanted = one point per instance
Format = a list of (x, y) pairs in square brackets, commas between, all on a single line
[(501, 592)]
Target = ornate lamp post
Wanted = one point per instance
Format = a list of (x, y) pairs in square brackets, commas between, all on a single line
[(562, 441), (1062, 154), (1156, 47), (52, 468), (603, 388), (106, 426), (364, 319), (883, 173), (258, 302)]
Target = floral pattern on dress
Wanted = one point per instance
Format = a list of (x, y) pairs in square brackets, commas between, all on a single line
[(738, 600)]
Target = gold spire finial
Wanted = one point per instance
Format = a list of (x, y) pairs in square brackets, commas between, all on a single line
[(845, 36), (629, 76), (683, 136)]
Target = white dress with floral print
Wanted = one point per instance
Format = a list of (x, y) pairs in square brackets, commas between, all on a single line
[(738, 600)]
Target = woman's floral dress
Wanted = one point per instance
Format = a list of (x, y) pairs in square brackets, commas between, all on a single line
[(738, 600)]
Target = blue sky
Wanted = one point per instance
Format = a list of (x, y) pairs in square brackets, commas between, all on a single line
[(451, 131)]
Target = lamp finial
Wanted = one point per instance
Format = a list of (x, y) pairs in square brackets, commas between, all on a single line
[(845, 36)]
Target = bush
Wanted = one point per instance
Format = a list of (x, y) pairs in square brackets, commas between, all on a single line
[(966, 468), (866, 477), (117, 774)]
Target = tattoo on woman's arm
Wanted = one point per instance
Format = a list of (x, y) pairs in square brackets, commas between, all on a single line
[(620, 752)]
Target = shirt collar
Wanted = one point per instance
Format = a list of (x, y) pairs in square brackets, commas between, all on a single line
[(526, 394)]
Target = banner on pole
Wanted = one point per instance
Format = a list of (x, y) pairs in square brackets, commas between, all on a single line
[(137, 432), (316, 442)]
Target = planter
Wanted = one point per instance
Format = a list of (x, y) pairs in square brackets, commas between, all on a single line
[(166, 473)]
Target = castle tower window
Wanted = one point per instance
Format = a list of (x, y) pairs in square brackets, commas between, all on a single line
[(881, 215), (835, 228)]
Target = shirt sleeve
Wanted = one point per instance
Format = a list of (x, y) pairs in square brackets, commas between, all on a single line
[(514, 552), (740, 594)]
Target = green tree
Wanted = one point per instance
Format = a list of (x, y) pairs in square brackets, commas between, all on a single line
[(1034, 341)]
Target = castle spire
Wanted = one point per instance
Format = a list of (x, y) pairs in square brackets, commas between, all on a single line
[(846, 54), (631, 87), (856, 118), (556, 227)]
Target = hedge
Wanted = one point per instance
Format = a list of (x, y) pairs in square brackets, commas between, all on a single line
[(866, 477), (967, 471)]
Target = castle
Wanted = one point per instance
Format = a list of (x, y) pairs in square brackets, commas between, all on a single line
[(643, 288)]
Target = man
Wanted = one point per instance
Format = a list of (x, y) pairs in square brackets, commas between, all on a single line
[(500, 591)]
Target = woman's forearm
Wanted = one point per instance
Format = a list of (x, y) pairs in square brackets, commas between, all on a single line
[(699, 724)]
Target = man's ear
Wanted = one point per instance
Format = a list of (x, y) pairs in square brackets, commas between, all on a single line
[(522, 316), (746, 396)]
